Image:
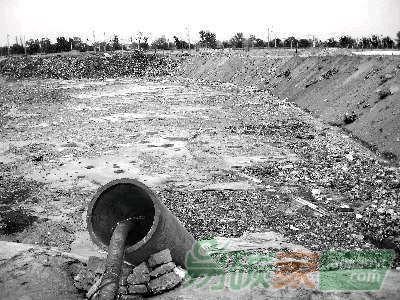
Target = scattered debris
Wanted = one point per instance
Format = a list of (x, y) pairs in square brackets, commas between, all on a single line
[(350, 117), (87, 66)]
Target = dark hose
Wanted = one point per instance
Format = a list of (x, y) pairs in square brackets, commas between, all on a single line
[(116, 251)]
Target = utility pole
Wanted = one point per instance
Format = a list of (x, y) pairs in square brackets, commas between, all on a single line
[(8, 44), (188, 36), (25, 45), (268, 37), (104, 40), (94, 42)]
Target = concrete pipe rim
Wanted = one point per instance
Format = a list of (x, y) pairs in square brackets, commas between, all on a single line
[(107, 186)]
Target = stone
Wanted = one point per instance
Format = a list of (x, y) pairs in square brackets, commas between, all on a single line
[(140, 274), (164, 283), (84, 279), (130, 297), (180, 272), (125, 271), (96, 264), (137, 289), (123, 290), (160, 258), (161, 270)]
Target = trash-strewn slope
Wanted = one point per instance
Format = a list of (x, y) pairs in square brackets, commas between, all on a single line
[(99, 65), (359, 93)]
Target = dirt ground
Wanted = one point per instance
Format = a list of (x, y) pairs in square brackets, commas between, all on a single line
[(225, 159)]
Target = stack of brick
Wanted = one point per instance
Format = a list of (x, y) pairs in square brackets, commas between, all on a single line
[(156, 275)]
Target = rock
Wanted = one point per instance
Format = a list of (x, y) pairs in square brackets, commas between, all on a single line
[(180, 272), (130, 297), (160, 270), (84, 279), (123, 290), (137, 289), (140, 274), (383, 93), (126, 270), (164, 283), (96, 264), (160, 258)]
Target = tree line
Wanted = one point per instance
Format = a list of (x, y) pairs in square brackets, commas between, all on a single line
[(207, 39)]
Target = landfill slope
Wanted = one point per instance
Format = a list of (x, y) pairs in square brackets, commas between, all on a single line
[(90, 65), (360, 94)]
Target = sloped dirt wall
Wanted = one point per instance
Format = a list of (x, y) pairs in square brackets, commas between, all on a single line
[(361, 94)]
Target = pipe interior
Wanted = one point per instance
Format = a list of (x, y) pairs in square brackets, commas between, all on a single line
[(120, 202)]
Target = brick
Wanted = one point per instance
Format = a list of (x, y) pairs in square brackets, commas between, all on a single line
[(140, 274), (84, 279), (96, 264), (164, 283), (159, 258), (161, 270), (125, 271), (123, 290), (137, 289), (130, 297)]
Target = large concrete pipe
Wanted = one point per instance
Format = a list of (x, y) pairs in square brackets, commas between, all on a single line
[(153, 226)]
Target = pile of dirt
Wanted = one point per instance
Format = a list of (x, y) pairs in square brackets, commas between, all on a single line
[(101, 65), (357, 93)]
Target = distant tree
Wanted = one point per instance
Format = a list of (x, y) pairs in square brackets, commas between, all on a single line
[(304, 43), (375, 41), (387, 42), (33, 46), (290, 42), (208, 39), (237, 40), (366, 42), (160, 43), (331, 42), (278, 42), (251, 41), (46, 46), (144, 44), (77, 43), (3, 51), (226, 44), (180, 44), (17, 49), (115, 43), (398, 39), (62, 44), (259, 43), (346, 41)]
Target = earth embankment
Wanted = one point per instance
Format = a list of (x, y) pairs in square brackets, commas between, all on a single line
[(358, 93)]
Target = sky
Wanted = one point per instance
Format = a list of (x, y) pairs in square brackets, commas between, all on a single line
[(185, 18)]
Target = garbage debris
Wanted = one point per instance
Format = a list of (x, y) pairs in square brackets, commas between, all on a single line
[(87, 66)]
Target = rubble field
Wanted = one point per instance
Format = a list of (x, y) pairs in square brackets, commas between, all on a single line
[(226, 159)]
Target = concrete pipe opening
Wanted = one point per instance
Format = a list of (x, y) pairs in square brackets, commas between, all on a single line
[(154, 227), (120, 200)]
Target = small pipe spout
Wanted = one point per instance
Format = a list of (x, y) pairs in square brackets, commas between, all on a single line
[(116, 250)]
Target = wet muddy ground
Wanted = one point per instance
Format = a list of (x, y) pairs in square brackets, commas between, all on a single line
[(225, 160)]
